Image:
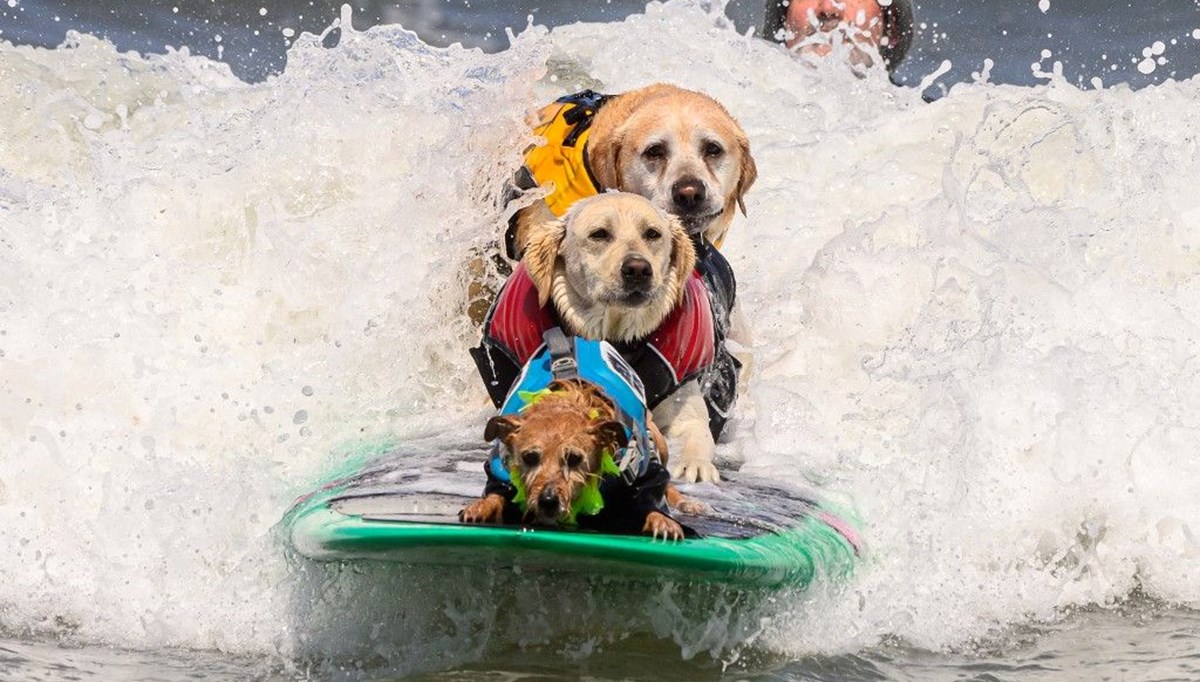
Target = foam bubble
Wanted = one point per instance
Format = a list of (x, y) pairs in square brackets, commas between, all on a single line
[(984, 74)]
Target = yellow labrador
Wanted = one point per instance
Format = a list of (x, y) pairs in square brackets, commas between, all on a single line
[(678, 148), (618, 268)]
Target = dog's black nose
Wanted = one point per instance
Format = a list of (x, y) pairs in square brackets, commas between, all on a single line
[(548, 501), (688, 194), (636, 271)]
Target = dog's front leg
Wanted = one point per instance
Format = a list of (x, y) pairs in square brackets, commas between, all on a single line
[(684, 417), (489, 509), (739, 341), (685, 504)]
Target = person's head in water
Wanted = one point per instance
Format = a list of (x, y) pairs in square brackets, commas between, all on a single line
[(811, 27)]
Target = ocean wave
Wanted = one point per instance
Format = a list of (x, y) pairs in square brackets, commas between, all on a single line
[(975, 320)]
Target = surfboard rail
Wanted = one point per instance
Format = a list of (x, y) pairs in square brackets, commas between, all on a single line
[(793, 542)]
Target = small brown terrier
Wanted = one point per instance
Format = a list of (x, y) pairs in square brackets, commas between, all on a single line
[(557, 445)]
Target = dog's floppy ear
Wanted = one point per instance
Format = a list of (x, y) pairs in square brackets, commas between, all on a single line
[(611, 435), (748, 175), (502, 427), (603, 156), (541, 256), (683, 253)]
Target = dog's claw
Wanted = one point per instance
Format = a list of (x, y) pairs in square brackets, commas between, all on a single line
[(661, 527), (690, 506), (690, 471), (486, 510)]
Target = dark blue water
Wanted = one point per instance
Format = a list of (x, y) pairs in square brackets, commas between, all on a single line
[(1091, 39)]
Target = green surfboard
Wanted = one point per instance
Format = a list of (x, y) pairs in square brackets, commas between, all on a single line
[(403, 507)]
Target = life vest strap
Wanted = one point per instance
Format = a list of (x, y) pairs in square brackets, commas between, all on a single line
[(580, 116), (563, 364)]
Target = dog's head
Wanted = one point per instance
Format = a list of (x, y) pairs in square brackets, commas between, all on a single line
[(556, 446), (616, 252), (679, 148)]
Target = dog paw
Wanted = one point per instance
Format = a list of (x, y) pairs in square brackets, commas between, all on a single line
[(694, 507), (660, 526), (486, 510), (692, 470)]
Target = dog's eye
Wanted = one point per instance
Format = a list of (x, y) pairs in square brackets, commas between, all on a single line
[(574, 459), (655, 151), (599, 235), (652, 234), (531, 458), (713, 150)]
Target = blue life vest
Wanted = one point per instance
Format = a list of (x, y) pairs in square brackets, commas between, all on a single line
[(596, 362)]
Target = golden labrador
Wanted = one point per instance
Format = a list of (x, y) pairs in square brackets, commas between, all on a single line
[(678, 148), (618, 268)]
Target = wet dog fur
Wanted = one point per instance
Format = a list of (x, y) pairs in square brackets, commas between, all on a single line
[(614, 267), (556, 445), (678, 148)]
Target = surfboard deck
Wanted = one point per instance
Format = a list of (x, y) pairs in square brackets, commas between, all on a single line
[(403, 507)]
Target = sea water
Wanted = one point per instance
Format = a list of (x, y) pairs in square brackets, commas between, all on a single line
[(973, 320)]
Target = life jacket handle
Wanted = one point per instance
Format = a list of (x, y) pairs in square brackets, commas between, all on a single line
[(587, 103), (563, 364)]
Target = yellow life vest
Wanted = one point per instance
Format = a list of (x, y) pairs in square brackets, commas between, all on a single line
[(561, 162)]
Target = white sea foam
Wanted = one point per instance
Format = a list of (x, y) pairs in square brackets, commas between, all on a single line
[(975, 320)]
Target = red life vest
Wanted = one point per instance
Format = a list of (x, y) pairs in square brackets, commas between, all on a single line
[(684, 344)]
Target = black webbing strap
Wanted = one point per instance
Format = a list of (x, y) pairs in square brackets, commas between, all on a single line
[(579, 117)]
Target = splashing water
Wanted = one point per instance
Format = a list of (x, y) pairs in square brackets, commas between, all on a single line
[(973, 319)]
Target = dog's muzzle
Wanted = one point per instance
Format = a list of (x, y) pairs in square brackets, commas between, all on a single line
[(548, 507), (637, 280), (637, 274), (694, 225), (688, 196)]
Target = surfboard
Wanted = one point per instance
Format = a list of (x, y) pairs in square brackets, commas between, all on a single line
[(403, 507)]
